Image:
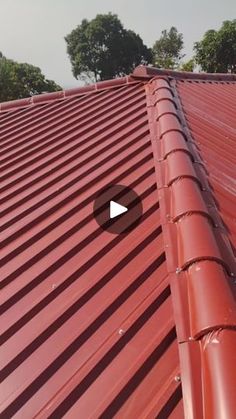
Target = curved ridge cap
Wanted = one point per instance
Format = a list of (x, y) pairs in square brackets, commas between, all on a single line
[(179, 165), (191, 224), (148, 72), (197, 314), (62, 94)]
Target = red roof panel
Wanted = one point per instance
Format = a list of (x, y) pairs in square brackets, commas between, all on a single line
[(210, 110), (87, 324)]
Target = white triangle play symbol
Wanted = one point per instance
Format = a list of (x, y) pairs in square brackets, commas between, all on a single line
[(116, 209)]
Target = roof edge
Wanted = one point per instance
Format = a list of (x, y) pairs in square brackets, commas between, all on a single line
[(62, 94), (140, 73), (147, 72)]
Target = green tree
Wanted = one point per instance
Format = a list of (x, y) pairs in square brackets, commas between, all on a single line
[(167, 49), (188, 65), (216, 52), (101, 49), (22, 80)]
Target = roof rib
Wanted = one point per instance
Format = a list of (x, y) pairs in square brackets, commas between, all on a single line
[(199, 258)]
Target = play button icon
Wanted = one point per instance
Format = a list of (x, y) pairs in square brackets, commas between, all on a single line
[(117, 209)]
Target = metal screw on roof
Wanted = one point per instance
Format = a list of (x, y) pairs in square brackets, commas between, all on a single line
[(121, 332), (177, 378)]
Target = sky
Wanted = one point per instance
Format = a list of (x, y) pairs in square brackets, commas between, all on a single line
[(33, 31)]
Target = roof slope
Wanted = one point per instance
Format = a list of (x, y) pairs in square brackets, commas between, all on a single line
[(88, 323), (210, 111)]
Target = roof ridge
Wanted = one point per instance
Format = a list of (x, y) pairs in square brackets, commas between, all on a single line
[(148, 72), (179, 159), (139, 73), (63, 94), (198, 267)]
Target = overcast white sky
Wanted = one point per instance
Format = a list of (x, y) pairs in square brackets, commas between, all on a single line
[(33, 30)]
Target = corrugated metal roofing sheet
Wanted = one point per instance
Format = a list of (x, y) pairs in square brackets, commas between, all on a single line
[(210, 110), (87, 324)]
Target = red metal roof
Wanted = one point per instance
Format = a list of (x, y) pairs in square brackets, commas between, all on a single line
[(210, 111), (88, 327), (87, 317)]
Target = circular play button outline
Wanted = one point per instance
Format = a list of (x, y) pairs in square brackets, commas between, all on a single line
[(125, 198)]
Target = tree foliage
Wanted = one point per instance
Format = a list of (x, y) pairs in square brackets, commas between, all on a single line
[(102, 48), (22, 80), (167, 49), (216, 52), (188, 65)]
